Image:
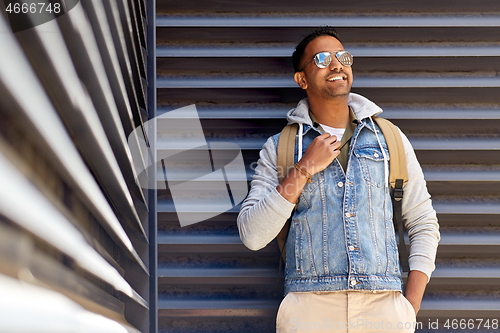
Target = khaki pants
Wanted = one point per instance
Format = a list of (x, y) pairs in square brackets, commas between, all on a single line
[(346, 311)]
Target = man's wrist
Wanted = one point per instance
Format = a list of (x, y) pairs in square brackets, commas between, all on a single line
[(291, 187), (303, 171), (415, 288)]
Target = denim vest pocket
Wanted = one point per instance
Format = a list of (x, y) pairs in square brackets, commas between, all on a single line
[(371, 158)]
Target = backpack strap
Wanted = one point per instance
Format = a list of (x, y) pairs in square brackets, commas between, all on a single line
[(285, 162), (398, 177), (286, 150)]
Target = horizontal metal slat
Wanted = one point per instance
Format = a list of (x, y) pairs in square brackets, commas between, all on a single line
[(259, 7), (463, 183), (380, 95), (475, 277), (425, 112), (359, 82), (476, 113), (245, 36), (411, 51), (451, 244), (382, 21), (478, 175), (167, 275), (460, 308), (219, 308), (451, 209), (448, 144), (484, 239), (206, 244), (276, 70), (391, 51), (430, 308)]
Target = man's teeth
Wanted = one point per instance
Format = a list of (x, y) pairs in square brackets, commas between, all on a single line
[(335, 78)]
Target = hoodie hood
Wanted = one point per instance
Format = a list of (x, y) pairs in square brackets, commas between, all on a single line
[(361, 106)]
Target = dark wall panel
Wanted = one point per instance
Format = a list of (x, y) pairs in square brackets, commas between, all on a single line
[(432, 66)]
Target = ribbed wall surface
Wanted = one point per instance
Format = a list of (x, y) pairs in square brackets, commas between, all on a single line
[(74, 220), (431, 65)]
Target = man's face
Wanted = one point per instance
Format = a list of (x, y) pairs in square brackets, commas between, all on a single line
[(334, 81)]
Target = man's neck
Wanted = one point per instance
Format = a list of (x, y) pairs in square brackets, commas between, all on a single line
[(332, 112)]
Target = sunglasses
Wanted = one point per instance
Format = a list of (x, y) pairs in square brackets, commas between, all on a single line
[(323, 59)]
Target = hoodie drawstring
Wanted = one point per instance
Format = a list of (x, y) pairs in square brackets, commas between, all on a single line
[(386, 164), (300, 141)]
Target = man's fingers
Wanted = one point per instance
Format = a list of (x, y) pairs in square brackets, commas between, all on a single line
[(324, 135), (326, 138), (335, 145), (331, 139)]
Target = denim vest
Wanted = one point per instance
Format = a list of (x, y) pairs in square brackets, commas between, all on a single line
[(341, 235)]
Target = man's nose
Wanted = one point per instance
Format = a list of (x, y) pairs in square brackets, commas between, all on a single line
[(335, 64)]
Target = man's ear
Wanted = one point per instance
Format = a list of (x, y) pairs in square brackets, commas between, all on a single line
[(300, 79)]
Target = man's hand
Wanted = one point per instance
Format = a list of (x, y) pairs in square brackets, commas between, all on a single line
[(320, 153), (415, 287)]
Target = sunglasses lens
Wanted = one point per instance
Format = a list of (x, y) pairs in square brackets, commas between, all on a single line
[(323, 59), (345, 58)]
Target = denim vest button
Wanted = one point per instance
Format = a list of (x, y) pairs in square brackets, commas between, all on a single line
[(376, 155), (347, 214), (353, 282), (351, 248), (340, 184)]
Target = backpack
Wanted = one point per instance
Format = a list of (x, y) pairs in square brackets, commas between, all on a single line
[(398, 177)]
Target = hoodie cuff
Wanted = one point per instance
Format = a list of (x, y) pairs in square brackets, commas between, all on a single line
[(423, 265)]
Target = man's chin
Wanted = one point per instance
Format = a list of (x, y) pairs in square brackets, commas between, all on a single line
[(339, 94)]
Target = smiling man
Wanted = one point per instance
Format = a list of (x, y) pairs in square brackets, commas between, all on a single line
[(342, 265)]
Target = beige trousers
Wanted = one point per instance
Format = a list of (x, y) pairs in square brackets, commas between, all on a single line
[(345, 311)]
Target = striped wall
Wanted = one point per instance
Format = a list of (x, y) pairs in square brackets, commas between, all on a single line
[(431, 65), (75, 236)]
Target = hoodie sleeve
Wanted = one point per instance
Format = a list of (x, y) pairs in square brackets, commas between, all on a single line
[(419, 216), (264, 212)]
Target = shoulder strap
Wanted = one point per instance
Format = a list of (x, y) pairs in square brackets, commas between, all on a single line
[(398, 169), (285, 161), (286, 150), (398, 177)]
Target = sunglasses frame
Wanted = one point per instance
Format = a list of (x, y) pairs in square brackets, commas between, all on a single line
[(338, 54)]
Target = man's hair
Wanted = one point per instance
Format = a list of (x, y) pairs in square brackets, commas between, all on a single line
[(300, 48)]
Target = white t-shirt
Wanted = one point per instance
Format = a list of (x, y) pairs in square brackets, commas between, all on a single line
[(338, 132)]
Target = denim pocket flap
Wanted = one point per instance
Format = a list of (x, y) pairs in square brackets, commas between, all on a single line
[(373, 153)]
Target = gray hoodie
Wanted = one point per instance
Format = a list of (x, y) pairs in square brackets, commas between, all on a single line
[(264, 212)]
